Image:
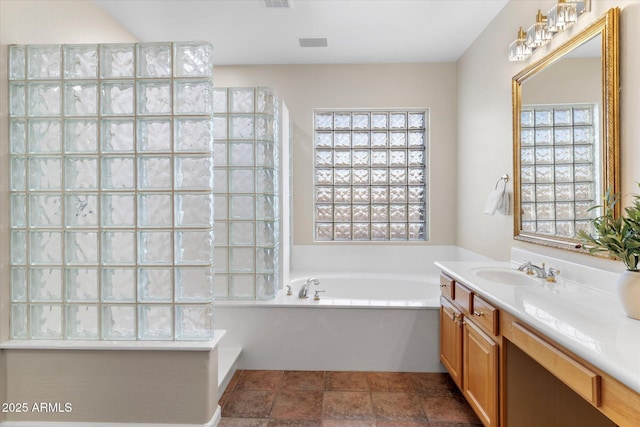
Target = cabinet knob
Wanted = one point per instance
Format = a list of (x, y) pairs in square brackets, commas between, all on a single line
[(478, 313)]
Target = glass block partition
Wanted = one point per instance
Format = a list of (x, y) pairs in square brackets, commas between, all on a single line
[(559, 161), (370, 175), (111, 179), (246, 192)]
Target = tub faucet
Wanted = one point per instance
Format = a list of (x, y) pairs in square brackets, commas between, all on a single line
[(302, 293)]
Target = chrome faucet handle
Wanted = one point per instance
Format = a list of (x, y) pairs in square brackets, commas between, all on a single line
[(316, 296), (527, 267), (288, 289), (526, 264), (551, 274)]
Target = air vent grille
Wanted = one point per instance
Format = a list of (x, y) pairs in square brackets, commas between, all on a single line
[(313, 42), (279, 4)]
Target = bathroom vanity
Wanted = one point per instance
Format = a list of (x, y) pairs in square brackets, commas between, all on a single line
[(526, 352)]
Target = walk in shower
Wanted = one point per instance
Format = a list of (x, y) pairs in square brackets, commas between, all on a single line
[(111, 180), (121, 157)]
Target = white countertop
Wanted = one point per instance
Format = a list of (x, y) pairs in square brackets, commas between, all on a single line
[(584, 319)]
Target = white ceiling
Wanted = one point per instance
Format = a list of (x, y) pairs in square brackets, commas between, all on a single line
[(358, 31)]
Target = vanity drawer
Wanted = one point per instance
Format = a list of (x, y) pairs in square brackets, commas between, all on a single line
[(570, 371), (446, 286), (485, 315), (462, 296)]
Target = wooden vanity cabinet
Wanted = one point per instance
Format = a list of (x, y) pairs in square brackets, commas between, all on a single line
[(480, 373), (514, 376), (451, 340), (467, 351)]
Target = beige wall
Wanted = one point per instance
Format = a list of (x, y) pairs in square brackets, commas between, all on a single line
[(484, 118), (305, 87)]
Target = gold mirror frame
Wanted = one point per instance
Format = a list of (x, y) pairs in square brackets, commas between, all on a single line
[(607, 26)]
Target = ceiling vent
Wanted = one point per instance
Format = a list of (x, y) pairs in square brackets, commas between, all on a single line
[(279, 4), (313, 42)]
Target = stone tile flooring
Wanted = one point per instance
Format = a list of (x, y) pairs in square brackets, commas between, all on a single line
[(344, 399)]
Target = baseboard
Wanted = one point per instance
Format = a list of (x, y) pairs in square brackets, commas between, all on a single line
[(213, 422), (216, 418)]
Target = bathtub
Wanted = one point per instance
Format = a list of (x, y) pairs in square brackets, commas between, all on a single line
[(370, 322), (352, 289)]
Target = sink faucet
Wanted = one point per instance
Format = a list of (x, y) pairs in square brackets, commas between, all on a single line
[(540, 272), (302, 293), (529, 268)]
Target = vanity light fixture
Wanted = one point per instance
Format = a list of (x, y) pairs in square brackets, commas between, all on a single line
[(559, 18), (519, 50), (537, 34), (564, 14)]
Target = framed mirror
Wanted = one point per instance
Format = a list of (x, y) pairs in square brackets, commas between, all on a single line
[(566, 136)]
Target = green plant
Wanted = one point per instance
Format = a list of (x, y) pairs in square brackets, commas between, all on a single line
[(617, 236)]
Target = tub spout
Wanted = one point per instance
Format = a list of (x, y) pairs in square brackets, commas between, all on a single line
[(302, 293)]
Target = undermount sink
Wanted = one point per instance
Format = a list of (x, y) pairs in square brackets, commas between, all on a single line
[(505, 276)]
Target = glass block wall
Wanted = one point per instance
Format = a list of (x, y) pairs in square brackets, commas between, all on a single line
[(559, 163), (111, 178), (246, 192), (370, 175)]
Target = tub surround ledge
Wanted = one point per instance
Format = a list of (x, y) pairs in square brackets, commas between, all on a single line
[(208, 345)]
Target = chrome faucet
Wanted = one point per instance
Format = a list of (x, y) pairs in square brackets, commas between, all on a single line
[(541, 272), (302, 293)]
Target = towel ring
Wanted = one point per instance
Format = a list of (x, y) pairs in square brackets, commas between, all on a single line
[(504, 178)]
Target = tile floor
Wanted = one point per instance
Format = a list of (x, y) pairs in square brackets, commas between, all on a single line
[(344, 399)]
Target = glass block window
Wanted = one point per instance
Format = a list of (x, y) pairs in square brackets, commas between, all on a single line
[(370, 172), (246, 192), (111, 178), (559, 164)]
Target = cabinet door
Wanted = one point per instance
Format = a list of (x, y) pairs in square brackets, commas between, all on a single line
[(451, 340), (480, 373)]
